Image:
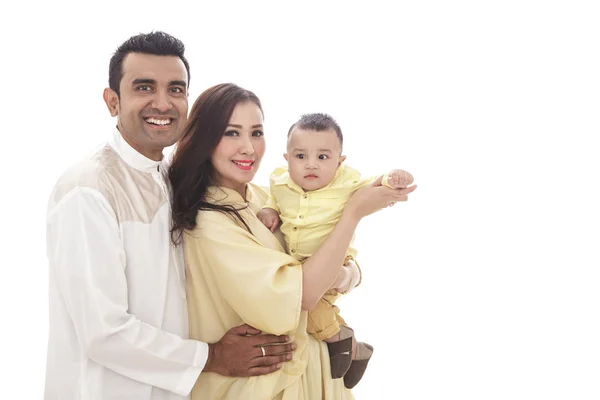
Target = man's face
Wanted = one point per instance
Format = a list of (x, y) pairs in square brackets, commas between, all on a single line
[(313, 157), (153, 105)]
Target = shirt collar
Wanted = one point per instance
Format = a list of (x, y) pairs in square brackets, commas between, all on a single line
[(131, 156)]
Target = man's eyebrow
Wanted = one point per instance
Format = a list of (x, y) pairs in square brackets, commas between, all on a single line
[(143, 80), (178, 83), (140, 81)]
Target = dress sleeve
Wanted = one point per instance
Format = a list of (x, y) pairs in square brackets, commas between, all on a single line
[(261, 284)]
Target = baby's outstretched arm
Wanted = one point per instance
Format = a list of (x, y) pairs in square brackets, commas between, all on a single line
[(397, 179), (269, 217)]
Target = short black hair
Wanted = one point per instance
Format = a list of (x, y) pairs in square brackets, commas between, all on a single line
[(156, 43), (318, 122)]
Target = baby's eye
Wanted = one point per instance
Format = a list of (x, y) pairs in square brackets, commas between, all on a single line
[(300, 156), (323, 157)]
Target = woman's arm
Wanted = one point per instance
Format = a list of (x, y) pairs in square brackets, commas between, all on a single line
[(321, 270)]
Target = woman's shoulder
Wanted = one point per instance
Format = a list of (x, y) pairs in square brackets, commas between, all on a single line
[(257, 195)]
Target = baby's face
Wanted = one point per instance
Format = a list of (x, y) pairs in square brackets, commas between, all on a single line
[(313, 157)]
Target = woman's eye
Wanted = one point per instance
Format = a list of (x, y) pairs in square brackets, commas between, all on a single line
[(231, 133), (257, 133)]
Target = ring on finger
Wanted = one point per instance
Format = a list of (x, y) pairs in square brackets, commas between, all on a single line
[(262, 349)]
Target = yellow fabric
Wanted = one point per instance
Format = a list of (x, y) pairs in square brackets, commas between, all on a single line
[(236, 277), (324, 320), (307, 218)]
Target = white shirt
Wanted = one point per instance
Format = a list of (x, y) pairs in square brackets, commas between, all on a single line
[(118, 316)]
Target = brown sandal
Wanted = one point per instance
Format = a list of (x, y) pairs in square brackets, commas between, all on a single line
[(357, 369), (340, 353)]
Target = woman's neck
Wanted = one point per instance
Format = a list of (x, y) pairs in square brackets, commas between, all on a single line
[(238, 187)]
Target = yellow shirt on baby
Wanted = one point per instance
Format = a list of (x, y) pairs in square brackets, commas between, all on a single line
[(307, 218)]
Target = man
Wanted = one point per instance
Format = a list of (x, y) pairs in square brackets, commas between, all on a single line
[(118, 313)]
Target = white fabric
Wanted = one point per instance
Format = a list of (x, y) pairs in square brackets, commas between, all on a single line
[(118, 311)]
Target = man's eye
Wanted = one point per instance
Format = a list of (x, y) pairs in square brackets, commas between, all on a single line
[(177, 90), (144, 88)]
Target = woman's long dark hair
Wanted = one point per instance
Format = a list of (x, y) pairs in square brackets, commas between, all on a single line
[(191, 171)]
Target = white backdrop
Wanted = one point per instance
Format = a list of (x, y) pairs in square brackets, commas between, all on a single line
[(485, 285)]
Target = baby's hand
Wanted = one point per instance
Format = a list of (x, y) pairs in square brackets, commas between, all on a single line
[(269, 217), (397, 179)]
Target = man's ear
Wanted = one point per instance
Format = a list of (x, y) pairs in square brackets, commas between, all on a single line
[(342, 159), (112, 101), (285, 155)]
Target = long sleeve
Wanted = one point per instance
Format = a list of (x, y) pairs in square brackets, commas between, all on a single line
[(262, 285), (88, 264)]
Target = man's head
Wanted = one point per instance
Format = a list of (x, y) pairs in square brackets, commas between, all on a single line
[(148, 91), (314, 150)]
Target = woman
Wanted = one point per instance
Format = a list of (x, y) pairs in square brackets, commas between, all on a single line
[(237, 271)]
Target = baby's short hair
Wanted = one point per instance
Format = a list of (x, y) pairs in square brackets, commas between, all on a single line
[(318, 122)]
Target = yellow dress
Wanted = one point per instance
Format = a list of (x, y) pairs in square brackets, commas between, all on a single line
[(235, 277)]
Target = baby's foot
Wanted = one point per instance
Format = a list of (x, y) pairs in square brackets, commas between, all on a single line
[(397, 179)]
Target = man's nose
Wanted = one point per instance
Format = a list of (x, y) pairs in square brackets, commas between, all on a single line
[(162, 102)]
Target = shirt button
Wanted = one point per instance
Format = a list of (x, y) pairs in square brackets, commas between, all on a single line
[(293, 250), (295, 228), (301, 216), (305, 196)]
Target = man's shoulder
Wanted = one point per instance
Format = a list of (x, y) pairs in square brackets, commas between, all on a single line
[(92, 172)]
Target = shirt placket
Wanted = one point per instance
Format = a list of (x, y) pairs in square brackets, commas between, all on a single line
[(160, 179), (300, 222)]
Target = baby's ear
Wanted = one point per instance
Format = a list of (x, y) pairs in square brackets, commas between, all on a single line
[(285, 155), (342, 159)]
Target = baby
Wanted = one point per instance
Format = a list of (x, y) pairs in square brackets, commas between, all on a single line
[(308, 197)]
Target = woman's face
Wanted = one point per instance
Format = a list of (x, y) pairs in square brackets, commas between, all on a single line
[(237, 156)]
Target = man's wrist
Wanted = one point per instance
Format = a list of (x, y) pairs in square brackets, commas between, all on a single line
[(210, 359)]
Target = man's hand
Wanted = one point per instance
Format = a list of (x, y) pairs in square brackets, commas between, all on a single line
[(239, 353), (269, 217)]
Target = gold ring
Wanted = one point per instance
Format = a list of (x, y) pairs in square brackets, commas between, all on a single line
[(263, 351)]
